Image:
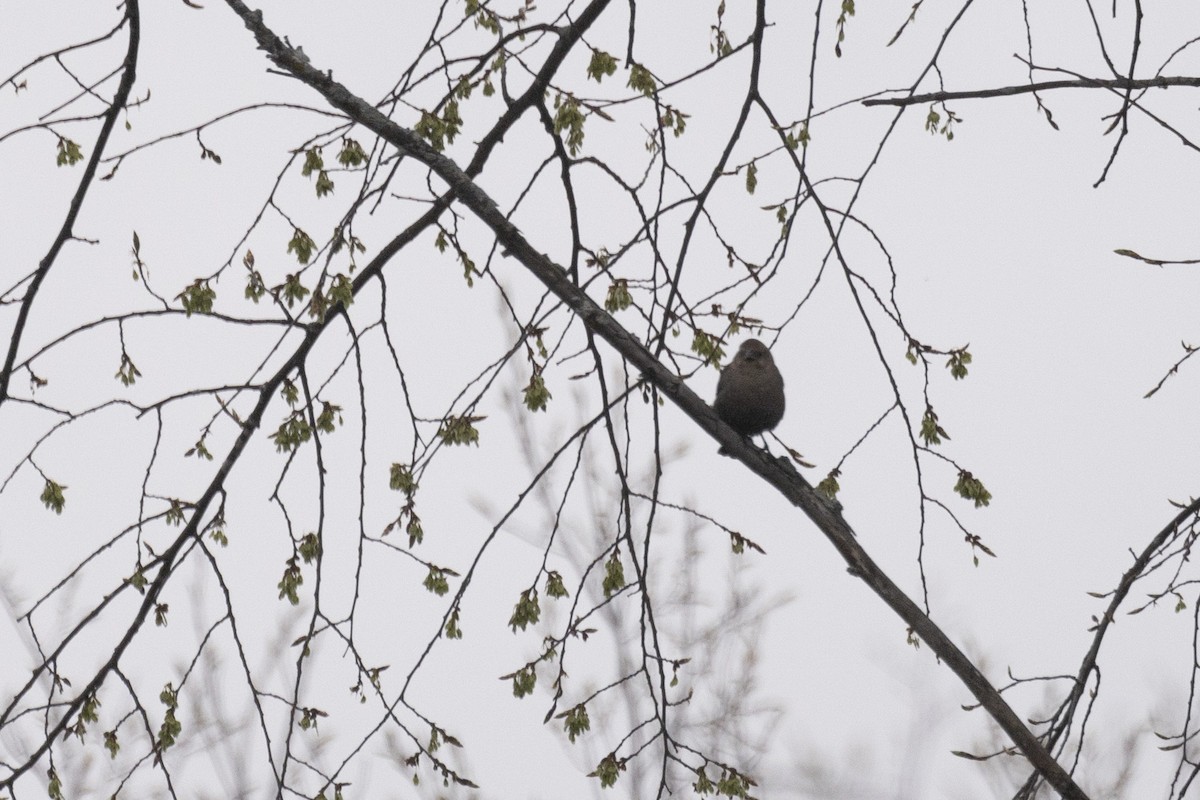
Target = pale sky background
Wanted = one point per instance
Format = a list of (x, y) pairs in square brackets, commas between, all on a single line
[(998, 240)]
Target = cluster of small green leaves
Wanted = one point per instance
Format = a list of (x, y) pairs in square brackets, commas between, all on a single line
[(751, 177), (554, 586), (614, 574), (829, 485), (289, 585), (138, 579), (608, 770), (216, 530), (800, 138), (170, 729), (524, 681), (197, 298), (674, 119), (435, 581), (618, 297), (933, 119), (175, 514), (720, 41), (602, 65), (309, 718), (303, 246), (957, 363), (329, 413), (351, 155), (536, 395), (847, 11), (313, 162), (127, 373), (52, 496), (527, 611), (640, 80), (460, 430), (453, 630), (437, 736), (707, 347), (372, 675), (292, 432), (576, 722), (69, 153), (485, 18), (310, 547), (731, 784), (337, 793), (569, 117), (402, 480), (440, 130), (445, 239), (199, 450), (111, 743), (87, 715), (931, 432), (972, 488)]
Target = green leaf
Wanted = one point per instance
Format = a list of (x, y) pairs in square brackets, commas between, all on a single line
[(957, 364), (255, 288), (576, 722), (452, 629), (536, 394), (52, 496), (416, 534), (601, 65), (640, 80), (829, 485), (127, 373), (111, 744), (971, 488), (554, 586), (614, 574), (324, 184), (401, 479), (312, 162), (351, 154), (436, 581), (460, 430), (618, 297), (341, 291), (69, 153), (292, 432), (569, 117), (526, 612), (291, 581), (302, 245), (310, 547), (325, 420), (608, 770), (524, 681), (707, 347), (931, 432), (197, 298)]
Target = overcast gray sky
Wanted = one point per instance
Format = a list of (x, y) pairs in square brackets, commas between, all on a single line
[(997, 238)]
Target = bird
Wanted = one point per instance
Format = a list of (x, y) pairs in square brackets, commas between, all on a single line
[(750, 391)]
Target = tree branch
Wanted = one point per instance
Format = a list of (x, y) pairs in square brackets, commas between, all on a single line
[(1121, 84)]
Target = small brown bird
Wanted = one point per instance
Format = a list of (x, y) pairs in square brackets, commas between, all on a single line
[(750, 391)]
